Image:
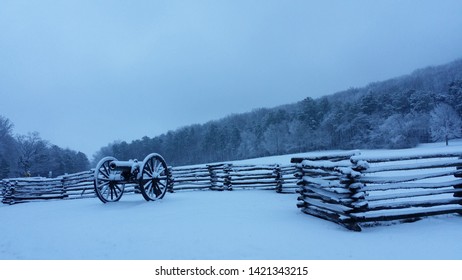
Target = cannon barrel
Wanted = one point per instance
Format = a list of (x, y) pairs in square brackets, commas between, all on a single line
[(123, 165)]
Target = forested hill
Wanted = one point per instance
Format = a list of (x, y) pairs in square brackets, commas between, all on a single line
[(424, 106)]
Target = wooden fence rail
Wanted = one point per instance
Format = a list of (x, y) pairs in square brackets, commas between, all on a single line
[(355, 190), (219, 177)]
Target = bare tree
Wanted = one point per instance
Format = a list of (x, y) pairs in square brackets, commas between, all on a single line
[(445, 123), (32, 150), (6, 127)]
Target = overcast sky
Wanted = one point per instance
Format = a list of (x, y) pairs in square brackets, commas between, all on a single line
[(85, 73)]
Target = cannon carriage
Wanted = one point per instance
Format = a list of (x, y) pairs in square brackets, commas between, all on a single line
[(151, 177)]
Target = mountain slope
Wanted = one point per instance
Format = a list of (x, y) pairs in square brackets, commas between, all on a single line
[(391, 114)]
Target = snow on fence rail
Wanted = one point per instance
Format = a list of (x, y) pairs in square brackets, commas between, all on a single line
[(354, 190), (227, 176), (223, 176)]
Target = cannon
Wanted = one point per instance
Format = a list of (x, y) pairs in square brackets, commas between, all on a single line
[(151, 177)]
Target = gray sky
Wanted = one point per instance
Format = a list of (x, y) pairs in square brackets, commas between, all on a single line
[(85, 73)]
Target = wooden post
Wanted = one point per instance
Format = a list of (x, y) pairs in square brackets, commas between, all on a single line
[(213, 177), (214, 180), (227, 168), (357, 196), (3, 190), (278, 177), (63, 188), (9, 189), (171, 181), (458, 187)]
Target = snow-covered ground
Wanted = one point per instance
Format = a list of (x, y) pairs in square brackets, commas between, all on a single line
[(243, 224)]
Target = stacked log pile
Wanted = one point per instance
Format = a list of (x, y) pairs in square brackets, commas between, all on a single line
[(354, 190)]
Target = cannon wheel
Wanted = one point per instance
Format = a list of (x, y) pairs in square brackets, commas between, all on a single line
[(154, 179), (105, 189)]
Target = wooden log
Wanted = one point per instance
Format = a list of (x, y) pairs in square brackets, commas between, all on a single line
[(189, 168), (429, 155), (331, 157), (414, 166), (400, 215), (408, 178), (333, 217), (34, 198), (80, 193), (325, 165), (322, 182), (334, 207), (373, 206), (190, 187), (319, 172), (239, 169), (34, 180), (414, 194), (406, 186), (80, 186), (37, 193), (185, 180), (245, 177), (337, 190), (190, 174), (192, 182), (254, 182), (289, 188), (254, 187), (328, 192), (250, 174), (346, 202)]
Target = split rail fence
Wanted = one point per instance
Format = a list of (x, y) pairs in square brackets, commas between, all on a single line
[(345, 188), (218, 177), (354, 190)]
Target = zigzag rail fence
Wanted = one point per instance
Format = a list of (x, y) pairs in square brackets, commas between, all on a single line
[(354, 190), (217, 177), (345, 187)]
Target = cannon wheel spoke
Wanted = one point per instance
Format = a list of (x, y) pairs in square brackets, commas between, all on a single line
[(154, 178), (105, 189)]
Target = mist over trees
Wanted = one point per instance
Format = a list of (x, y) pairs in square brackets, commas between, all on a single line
[(397, 113), (30, 155), (422, 107)]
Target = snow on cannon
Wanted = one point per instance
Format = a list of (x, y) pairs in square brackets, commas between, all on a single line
[(151, 176)]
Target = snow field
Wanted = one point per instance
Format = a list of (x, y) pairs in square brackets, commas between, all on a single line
[(212, 225)]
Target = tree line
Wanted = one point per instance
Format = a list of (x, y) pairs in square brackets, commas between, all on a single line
[(422, 107), (30, 155)]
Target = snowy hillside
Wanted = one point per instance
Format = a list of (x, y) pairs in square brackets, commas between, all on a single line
[(243, 224)]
